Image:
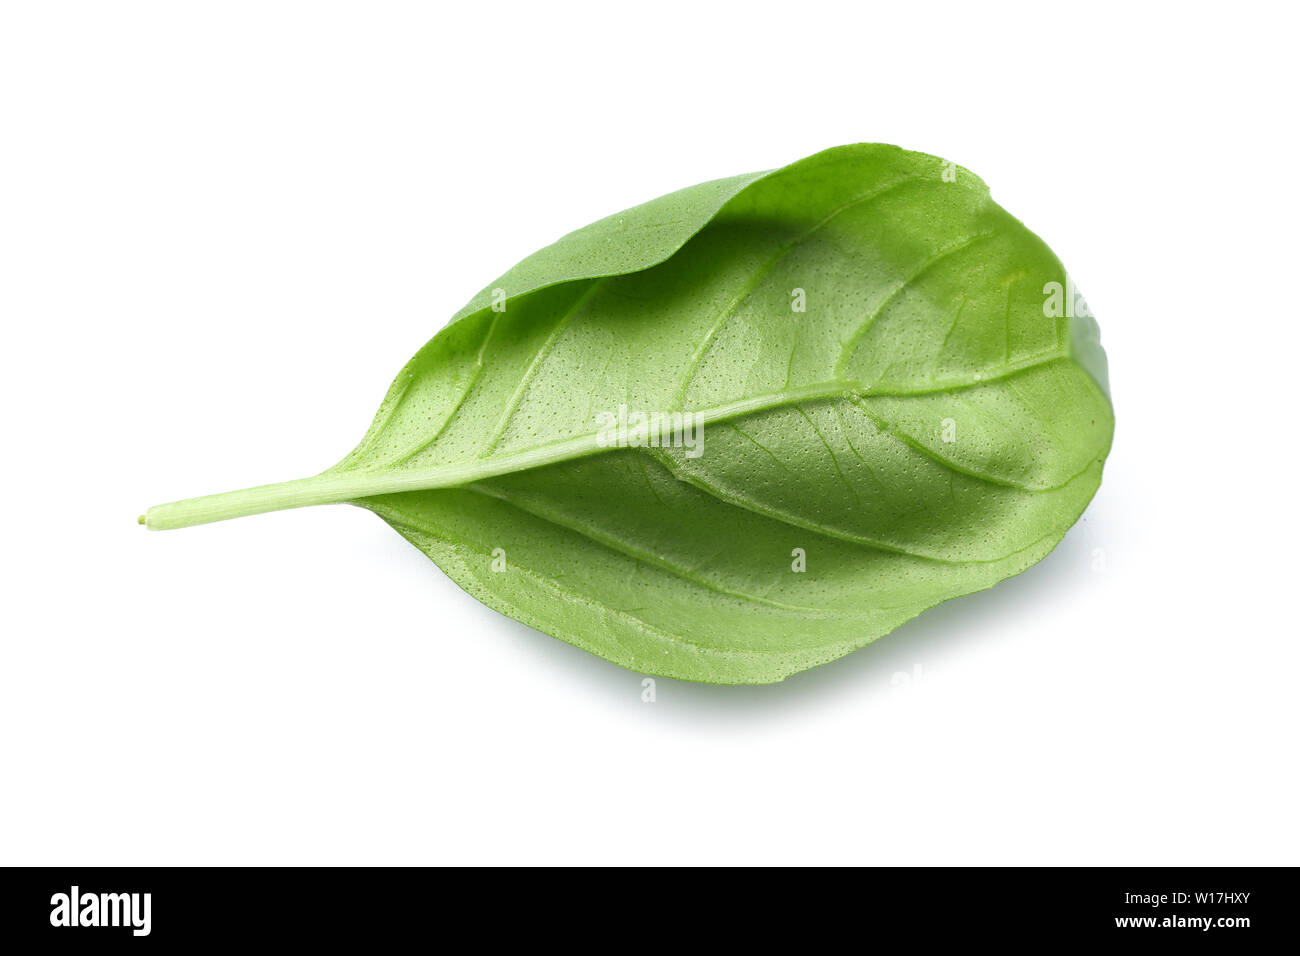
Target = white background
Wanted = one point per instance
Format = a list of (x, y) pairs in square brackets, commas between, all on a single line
[(225, 226)]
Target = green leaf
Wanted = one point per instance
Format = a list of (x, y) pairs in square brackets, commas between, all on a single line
[(893, 397)]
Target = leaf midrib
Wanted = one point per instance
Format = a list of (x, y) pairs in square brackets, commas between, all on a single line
[(339, 485), (450, 474)]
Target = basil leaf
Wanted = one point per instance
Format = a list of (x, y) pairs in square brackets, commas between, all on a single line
[(887, 394)]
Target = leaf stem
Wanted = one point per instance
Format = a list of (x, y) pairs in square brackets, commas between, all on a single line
[(320, 490), (335, 487)]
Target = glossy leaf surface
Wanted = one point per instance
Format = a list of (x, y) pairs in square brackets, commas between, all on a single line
[(889, 411)]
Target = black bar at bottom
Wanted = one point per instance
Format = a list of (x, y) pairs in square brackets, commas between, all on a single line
[(651, 908)]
